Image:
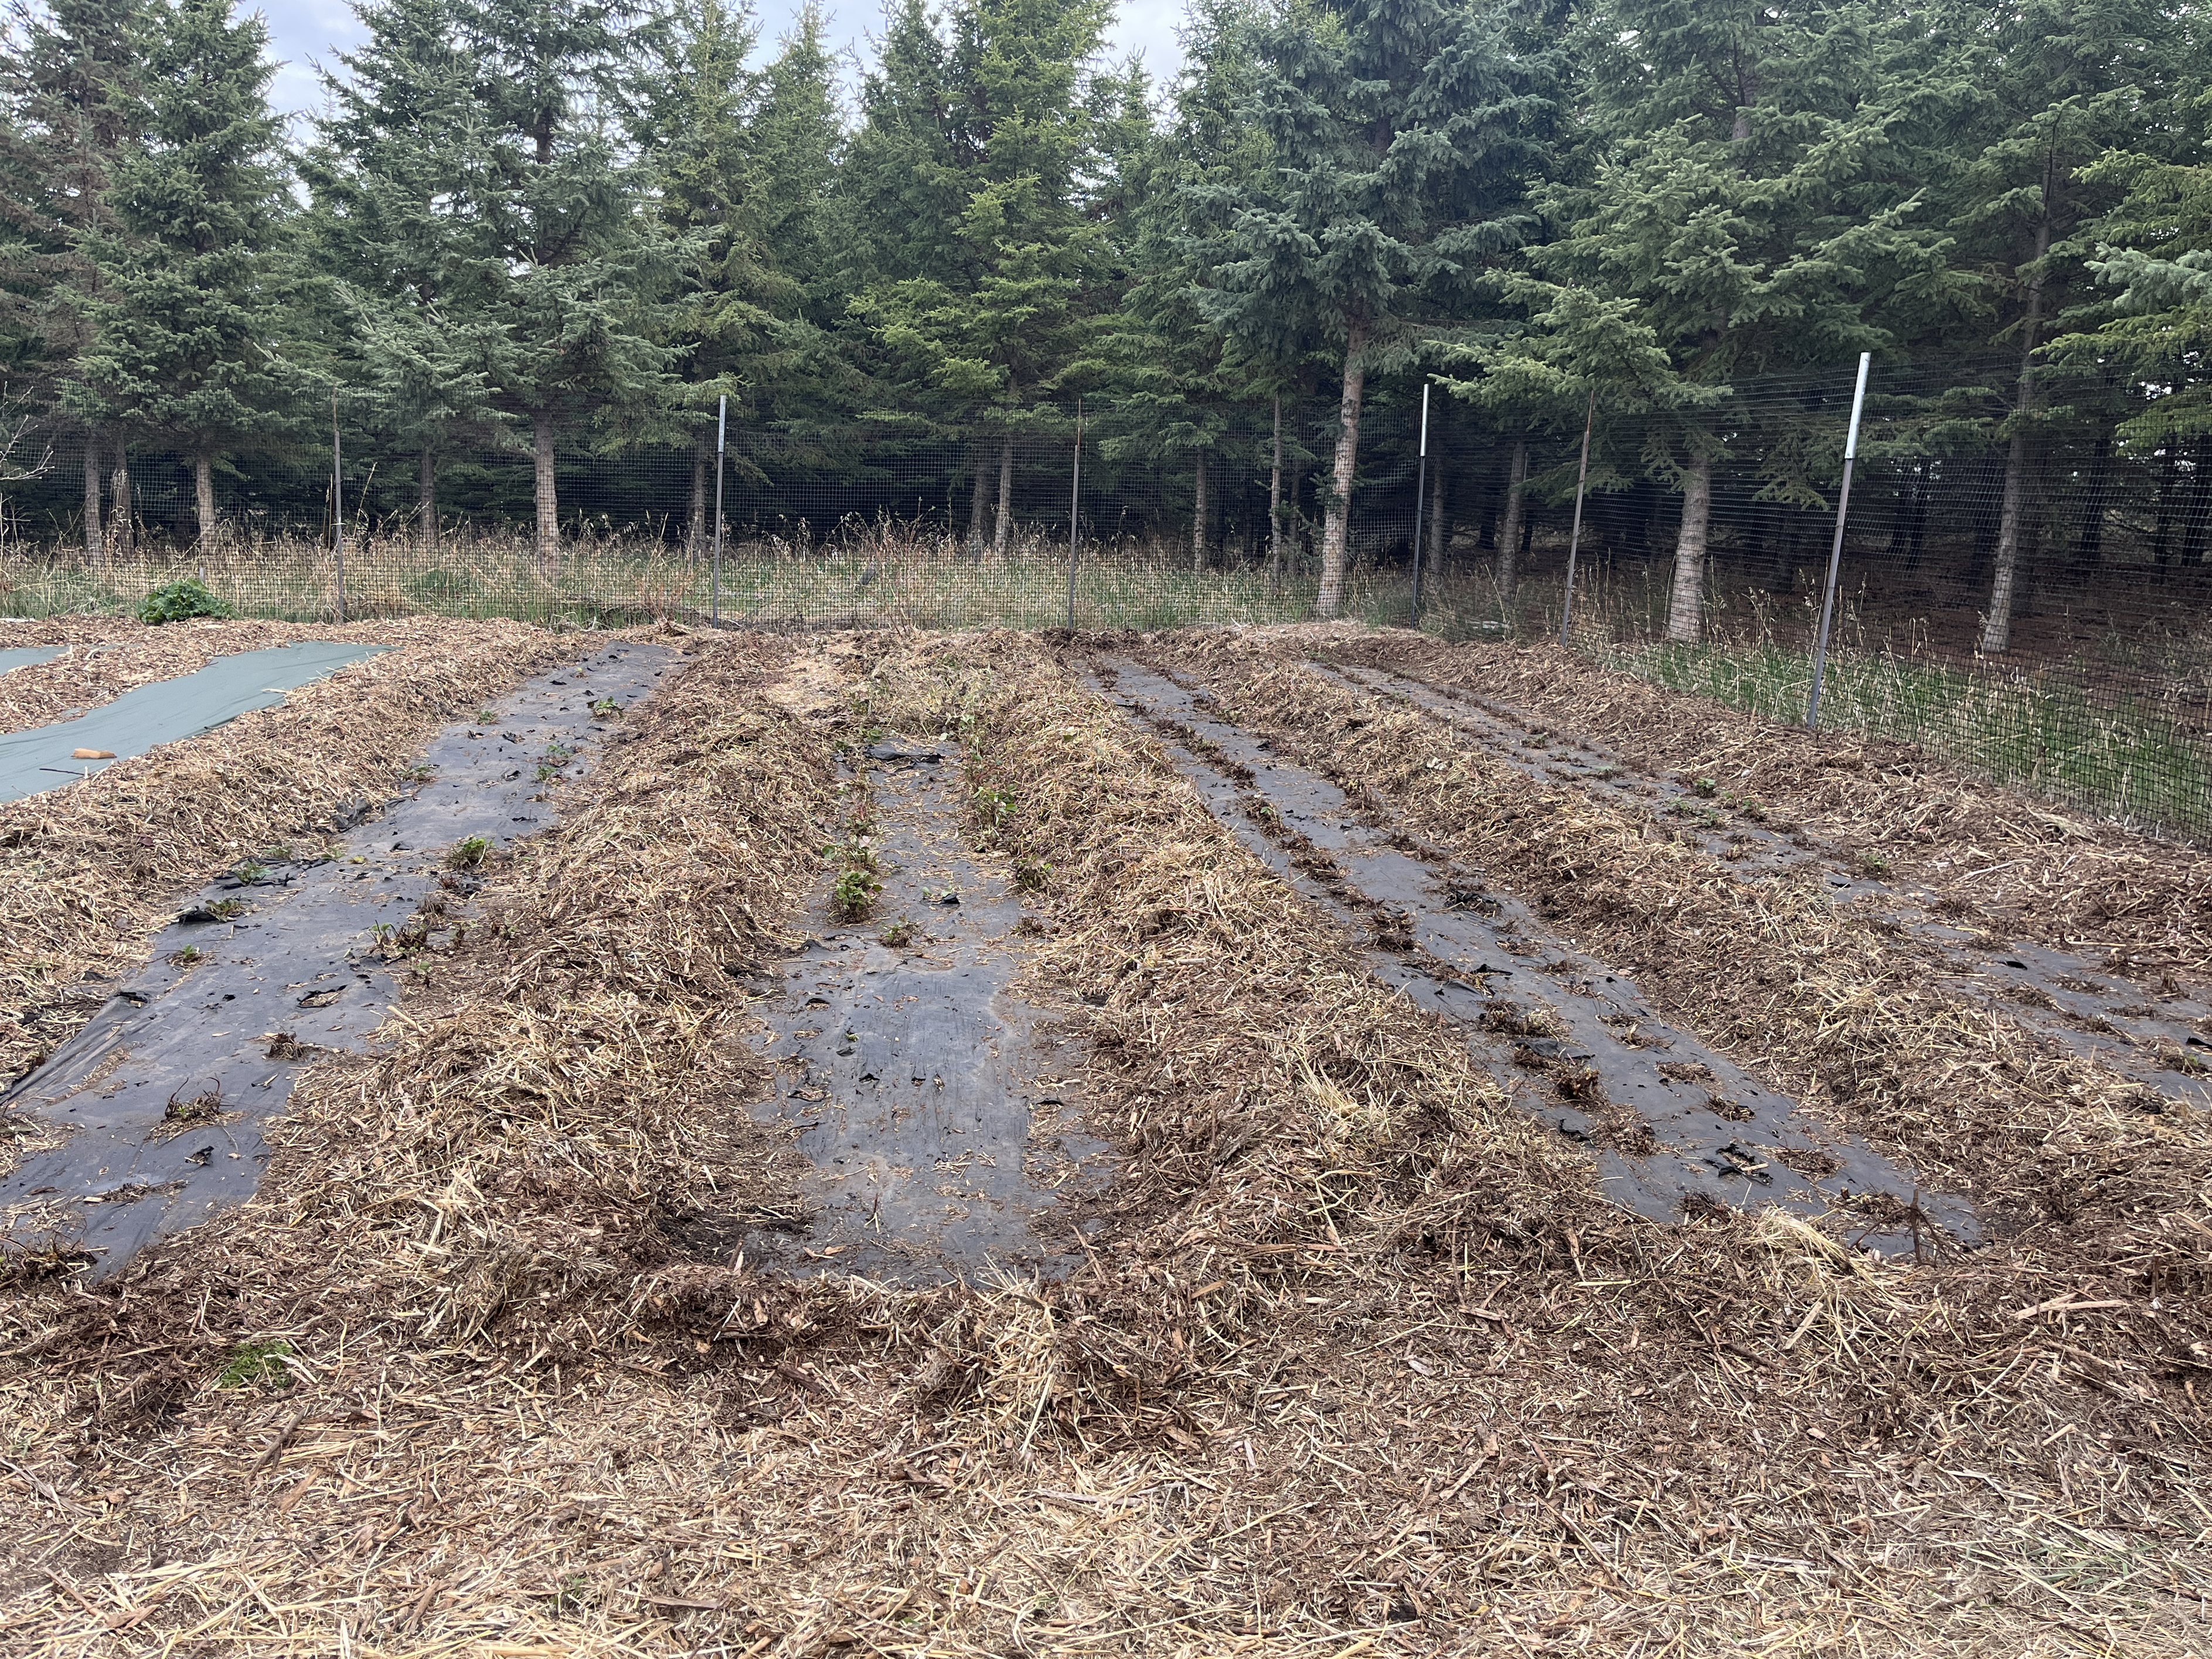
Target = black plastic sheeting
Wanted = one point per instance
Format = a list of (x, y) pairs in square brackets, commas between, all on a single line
[(2145, 1027), (165, 1094), (1670, 1121), (937, 1106), (38, 760)]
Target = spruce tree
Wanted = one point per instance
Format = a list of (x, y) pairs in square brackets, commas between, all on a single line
[(1005, 303), (2046, 88), (1404, 136), (190, 300), (401, 153), (70, 79), (574, 269)]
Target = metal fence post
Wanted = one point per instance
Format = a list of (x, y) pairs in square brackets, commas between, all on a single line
[(721, 438), (1074, 511), (1420, 494), (338, 503), (1835, 552), (1575, 535)]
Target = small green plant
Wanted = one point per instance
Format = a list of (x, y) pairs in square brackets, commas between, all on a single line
[(204, 1106), (993, 806), (556, 757), (279, 854), (854, 894), (185, 956), (226, 909), (252, 1364), (899, 935), (1031, 875), (180, 601), (468, 852), (250, 871), (486, 717), (1873, 863), (1705, 787), (606, 708)]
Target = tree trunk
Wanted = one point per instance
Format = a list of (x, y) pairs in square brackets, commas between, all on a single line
[(1508, 538), (1436, 538), (122, 512), (2196, 527), (695, 537), (1685, 603), (1198, 513), (977, 499), (546, 491), (203, 497), (2161, 546), (1997, 627), (425, 495), (2089, 545), (1275, 499), (95, 545), (1002, 534), (1336, 525)]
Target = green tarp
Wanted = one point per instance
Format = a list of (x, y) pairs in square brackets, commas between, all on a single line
[(38, 760)]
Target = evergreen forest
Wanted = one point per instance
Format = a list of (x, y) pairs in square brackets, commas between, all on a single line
[(542, 228)]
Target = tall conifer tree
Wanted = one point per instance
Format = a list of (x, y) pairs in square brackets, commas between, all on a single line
[(191, 304)]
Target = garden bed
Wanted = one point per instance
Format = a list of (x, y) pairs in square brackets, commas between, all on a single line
[(1336, 1348)]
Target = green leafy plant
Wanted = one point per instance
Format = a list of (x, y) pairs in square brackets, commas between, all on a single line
[(993, 806), (1705, 787), (180, 601), (250, 871), (225, 909), (899, 935), (854, 894), (486, 717), (468, 852), (185, 956), (606, 708), (256, 1364), (1032, 874)]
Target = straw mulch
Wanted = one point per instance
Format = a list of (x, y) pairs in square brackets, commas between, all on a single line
[(2002, 860), (1358, 1363), (90, 870)]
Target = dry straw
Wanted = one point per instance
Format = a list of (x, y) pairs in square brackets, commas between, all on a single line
[(1355, 1363)]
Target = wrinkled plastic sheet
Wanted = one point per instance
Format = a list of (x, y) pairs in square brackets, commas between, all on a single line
[(167, 1093), (38, 760)]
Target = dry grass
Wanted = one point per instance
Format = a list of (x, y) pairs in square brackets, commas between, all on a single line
[(88, 871), (1357, 1365), (2008, 860)]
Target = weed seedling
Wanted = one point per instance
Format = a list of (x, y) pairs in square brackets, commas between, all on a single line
[(250, 872), (606, 708), (186, 956), (993, 806), (486, 717), (202, 1107), (252, 1363), (468, 852), (899, 935), (1705, 789), (1032, 874), (1873, 863), (854, 894), (226, 909)]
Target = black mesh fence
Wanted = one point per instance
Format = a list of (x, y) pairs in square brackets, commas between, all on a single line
[(2021, 587)]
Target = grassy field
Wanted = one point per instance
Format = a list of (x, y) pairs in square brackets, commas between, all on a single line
[(2111, 730)]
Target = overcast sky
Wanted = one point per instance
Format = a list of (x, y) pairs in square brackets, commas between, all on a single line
[(302, 32)]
